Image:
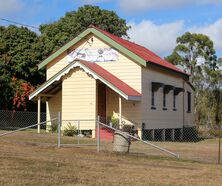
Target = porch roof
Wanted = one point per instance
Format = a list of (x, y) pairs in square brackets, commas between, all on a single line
[(97, 72)]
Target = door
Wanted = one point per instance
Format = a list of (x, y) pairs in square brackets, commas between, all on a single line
[(102, 102)]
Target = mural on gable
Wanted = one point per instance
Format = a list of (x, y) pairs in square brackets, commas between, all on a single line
[(94, 54)]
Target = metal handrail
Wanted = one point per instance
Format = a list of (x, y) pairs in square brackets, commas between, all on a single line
[(146, 142), (24, 128)]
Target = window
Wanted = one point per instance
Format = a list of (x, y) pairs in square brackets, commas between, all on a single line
[(153, 100), (174, 101), (188, 102), (164, 100), (176, 92)]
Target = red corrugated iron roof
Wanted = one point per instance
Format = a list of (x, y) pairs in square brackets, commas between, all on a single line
[(119, 84), (141, 51)]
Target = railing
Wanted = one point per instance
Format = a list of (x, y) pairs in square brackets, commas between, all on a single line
[(131, 137)]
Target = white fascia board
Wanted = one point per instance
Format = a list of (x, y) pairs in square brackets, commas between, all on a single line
[(88, 71), (41, 88), (96, 76)]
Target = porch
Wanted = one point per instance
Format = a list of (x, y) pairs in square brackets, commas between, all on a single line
[(84, 91)]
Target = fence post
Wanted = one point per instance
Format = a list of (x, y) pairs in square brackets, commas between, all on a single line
[(59, 129), (39, 114), (78, 131), (219, 144), (98, 134)]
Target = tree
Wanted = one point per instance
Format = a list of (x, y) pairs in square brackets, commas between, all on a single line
[(190, 49), (21, 50), (19, 57), (214, 79), (196, 54), (56, 34)]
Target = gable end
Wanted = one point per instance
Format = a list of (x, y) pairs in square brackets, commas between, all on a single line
[(100, 35)]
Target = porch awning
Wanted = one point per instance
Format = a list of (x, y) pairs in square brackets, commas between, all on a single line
[(156, 86), (177, 90), (168, 88), (97, 72)]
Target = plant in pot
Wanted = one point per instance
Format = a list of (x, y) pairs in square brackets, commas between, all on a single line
[(114, 122)]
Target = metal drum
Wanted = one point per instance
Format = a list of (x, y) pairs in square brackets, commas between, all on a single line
[(121, 142)]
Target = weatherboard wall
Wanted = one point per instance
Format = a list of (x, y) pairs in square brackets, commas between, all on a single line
[(125, 69), (159, 118), (131, 110), (60, 62), (133, 74), (79, 98), (53, 106)]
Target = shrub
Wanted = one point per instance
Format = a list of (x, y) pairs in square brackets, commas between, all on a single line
[(54, 127), (215, 133), (127, 128), (70, 130), (115, 122)]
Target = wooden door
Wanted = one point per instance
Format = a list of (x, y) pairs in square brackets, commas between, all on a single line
[(102, 101)]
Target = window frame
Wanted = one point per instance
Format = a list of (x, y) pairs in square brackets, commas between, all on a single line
[(153, 107), (174, 101), (188, 102), (164, 99)]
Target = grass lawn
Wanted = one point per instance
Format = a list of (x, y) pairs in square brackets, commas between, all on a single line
[(24, 162)]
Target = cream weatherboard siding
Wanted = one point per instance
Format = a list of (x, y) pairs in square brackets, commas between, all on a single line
[(131, 110), (61, 61), (79, 98), (56, 65), (125, 69), (159, 118), (53, 106)]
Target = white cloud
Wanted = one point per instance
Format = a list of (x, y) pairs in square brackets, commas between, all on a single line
[(158, 38), (161, 39), (140, 5), (11, 6), (94, 1), (214, 31)]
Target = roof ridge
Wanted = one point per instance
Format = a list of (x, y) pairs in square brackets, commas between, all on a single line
[(141, 51), (92, 26)]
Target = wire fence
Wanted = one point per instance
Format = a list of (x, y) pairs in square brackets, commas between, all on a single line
[(11, 120), (77, 133), (189, 143)]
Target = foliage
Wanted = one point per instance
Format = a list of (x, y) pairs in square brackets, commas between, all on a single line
[(190, 48), (21, 50), (196, 54), (128, 128), (114, 121), (55, 35), (70, 130), (214, 79), (54, 127), (23, 89), (18, 72)]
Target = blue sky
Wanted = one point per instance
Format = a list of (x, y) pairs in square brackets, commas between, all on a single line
[(155, 23)]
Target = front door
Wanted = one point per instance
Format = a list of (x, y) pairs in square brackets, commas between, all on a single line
[(102, 102)]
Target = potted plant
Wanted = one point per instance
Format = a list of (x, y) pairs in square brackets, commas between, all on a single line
[(114, 122)]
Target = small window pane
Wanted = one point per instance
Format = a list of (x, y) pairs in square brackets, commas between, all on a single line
[(188, 102)]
